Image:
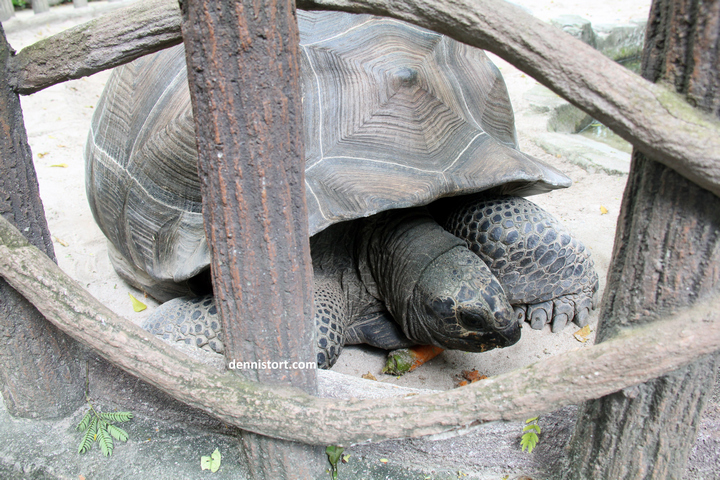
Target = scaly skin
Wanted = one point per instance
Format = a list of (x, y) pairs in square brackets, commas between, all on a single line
[(398, 279), (547, 274)]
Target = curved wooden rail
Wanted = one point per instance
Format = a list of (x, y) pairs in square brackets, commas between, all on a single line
[(572, 377), (653, 118)]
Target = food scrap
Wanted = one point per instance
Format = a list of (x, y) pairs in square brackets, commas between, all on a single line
[(470, 376), (406, 360)]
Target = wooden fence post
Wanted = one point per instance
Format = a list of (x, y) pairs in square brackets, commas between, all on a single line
[(7, 11), (243, 71), (666, 256), (40, 375), (40, 6)]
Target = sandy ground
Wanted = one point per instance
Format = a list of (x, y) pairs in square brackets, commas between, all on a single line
[(58, 119)]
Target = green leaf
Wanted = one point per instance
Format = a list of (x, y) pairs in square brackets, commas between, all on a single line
[(334, 454), (85, 422), (116, 416), (528, 441), (212, 462), (117, 433), (534, 419), (215, 459), (104, 439), (534, 426), (89, 436)]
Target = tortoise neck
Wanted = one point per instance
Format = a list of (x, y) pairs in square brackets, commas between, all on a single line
[(393, 250)]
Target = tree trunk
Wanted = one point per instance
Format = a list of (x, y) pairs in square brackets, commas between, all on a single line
[(38, 364), (666, 256), (243, 70), (7, 11)]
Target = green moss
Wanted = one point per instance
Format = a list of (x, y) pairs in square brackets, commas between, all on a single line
[(10, 236)]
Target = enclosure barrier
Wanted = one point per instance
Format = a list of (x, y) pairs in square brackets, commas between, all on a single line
[(651, 117), (655, 119), (638, 355)]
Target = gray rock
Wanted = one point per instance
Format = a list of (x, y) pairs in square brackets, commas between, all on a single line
[(621, 42), (588, 154), (542, 100), (567, 118), (563, 117), (618, 42), (7, 10), (576, 26)]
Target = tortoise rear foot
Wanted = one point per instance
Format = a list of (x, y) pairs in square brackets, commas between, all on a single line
[(559, 311)]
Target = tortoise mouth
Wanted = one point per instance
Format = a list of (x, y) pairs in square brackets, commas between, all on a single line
[(500, 330), (481, 341), (473, 327)]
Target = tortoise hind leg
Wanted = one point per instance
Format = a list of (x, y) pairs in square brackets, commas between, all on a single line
[(547, 274), (190, 320), (194, 321), (379, 330)]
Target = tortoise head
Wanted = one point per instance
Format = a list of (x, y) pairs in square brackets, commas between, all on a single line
[(459, 304)]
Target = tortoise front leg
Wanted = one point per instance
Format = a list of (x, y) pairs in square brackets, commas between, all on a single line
[(547, 274)]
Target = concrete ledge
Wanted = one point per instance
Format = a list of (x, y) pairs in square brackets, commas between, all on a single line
[(28, 19)]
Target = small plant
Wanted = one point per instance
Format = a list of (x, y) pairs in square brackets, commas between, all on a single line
[(98, 427), (334, 454), (530, 434), (19, 3), (212, 462)]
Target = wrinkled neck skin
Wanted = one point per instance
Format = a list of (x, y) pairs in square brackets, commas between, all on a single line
[(393, 251), (436, 289)]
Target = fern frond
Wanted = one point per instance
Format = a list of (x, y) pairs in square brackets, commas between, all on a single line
[(116, 416), (534, 426), (104, 439), (89, 436), (117, 432), (85, 422), (529, 440)]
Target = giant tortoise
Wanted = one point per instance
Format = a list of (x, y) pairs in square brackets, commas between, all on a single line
[(414, 185)]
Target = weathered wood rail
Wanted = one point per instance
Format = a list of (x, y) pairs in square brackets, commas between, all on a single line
[(569, 378), (651, 117), (655, 119)]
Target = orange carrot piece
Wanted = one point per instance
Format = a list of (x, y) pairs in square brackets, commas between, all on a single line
[(406, 360)]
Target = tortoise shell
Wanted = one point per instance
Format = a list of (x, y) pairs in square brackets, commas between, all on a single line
[(395, 116)]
